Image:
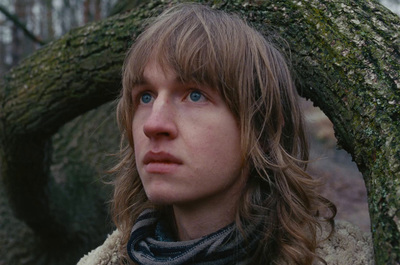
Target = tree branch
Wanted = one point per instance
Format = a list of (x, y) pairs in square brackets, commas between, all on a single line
[(20, 25)]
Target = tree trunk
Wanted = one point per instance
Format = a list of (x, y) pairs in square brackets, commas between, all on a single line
[(86, 11), (345, 58)]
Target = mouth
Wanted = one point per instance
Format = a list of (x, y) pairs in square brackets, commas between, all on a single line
[(160, 158), (160, 163)]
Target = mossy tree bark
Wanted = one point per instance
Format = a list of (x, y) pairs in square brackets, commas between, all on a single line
[(345, 57)]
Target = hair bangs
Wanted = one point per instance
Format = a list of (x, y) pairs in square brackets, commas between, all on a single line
[(197, 47)]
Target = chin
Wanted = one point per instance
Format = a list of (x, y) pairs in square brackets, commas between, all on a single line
[(162, 194), (160, 198)]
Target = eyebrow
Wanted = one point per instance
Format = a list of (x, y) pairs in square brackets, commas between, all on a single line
[(143, 81), (140, 82)]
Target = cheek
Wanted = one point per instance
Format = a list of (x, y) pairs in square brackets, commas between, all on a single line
[(218, 145), (229, 148), (137, 139)]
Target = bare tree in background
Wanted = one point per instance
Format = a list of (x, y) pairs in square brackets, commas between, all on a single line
[(31, 23)]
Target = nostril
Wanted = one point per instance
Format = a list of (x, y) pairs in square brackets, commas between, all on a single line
[(156, 128)]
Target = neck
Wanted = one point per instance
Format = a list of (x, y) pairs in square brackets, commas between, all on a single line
[(195, 221)]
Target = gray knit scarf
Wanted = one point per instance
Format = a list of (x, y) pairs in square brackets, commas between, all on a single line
[(151, 243)]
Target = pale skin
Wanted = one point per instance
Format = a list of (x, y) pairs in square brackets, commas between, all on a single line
[(187, 149)]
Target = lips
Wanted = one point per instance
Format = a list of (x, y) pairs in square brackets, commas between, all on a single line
[(160, 162), (160, 157)]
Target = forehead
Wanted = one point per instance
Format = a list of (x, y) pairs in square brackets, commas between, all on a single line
[(154, 69), (158, 74)]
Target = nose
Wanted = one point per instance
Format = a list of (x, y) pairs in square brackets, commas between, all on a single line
[(161, 122)]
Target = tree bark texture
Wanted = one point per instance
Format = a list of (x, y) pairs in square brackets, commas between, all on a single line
[(345, 58)]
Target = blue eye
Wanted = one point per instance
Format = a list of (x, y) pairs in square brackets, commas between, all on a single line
[(195, 96), (146, 98)]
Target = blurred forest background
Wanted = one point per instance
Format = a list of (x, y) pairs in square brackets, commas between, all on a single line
[(27, 25)]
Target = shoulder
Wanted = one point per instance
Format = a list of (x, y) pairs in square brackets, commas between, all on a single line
[(347, 245), (106, 254)]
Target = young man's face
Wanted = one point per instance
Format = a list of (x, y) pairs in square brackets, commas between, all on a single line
[(187, 141)]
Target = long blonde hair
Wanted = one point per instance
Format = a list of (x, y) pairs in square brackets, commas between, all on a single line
[(220, 50)]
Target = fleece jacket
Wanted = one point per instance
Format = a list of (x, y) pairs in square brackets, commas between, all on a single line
[(347, 245)]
